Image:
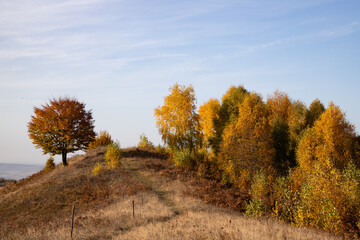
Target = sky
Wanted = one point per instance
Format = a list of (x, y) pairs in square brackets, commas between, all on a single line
[(121, 56)]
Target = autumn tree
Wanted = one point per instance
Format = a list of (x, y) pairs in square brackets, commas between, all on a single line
[(330, 180), (279, 106), (297, 126), (177, 120), (228, 112), (208, 113), (330, 142), (61, 126), (316, 108), (247, 142), (281, 143)]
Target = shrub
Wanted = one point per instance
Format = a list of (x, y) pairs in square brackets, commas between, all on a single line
[(260, 187), (321, 200), (259, 192), (161, 149), (97, 169), (145, 143), (256, 208), (187, 159), (285, 199), (182, 158), (50, 165), (102, 139), (113, 155)]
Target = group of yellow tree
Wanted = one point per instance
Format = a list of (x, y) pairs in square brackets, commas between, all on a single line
[(300, 164)]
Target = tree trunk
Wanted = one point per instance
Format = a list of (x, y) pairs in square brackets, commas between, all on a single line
[(64, 158)]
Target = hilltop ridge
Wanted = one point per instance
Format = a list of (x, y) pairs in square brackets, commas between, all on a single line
[(169, 203)]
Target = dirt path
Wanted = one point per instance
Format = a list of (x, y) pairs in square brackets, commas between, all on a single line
[(152, 180)]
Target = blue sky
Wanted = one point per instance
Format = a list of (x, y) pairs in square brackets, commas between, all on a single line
[(120, 58)]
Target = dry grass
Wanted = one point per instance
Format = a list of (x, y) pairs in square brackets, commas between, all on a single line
[(46, 198), (167, 205)]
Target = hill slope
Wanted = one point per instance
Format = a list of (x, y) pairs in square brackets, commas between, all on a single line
[(169, 204)]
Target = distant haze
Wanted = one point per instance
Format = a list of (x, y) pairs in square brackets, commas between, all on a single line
[(18, 171)]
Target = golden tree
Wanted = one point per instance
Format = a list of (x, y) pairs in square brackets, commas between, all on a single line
[(316, 108), (330, 181), (228, 112), (208, 113), (330, 142), (61, 126), (177, 120), (297, 120), (279, 105), (297, 126), (247, 142)]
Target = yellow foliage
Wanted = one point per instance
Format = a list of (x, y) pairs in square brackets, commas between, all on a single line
[(330, 142), (229, 104), (297, 120), (102, 139), (113, 155), (228, 112), (321, 202), (316, 108), (49, 164), (306, 150), (145, 143), (279, 105), (247, 142), (335, 136), (328, 179), (97, 169), (260, 186), (208, 113), (177, 120)]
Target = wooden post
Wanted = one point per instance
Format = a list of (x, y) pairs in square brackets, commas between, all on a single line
[(133, 205), (72, 221), (142, 199)]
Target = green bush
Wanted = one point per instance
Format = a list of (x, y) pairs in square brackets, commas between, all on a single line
[(182, 158), (113, 155), (256, 208), (186, 158), (50, 165), (285, 199)]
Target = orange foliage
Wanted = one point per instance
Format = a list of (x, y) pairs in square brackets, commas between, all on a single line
[(61, 126), (279, 106)]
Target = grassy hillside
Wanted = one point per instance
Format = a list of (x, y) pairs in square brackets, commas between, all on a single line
[(170, 203)]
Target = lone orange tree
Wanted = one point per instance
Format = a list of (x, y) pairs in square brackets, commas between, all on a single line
[(61, 126)]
